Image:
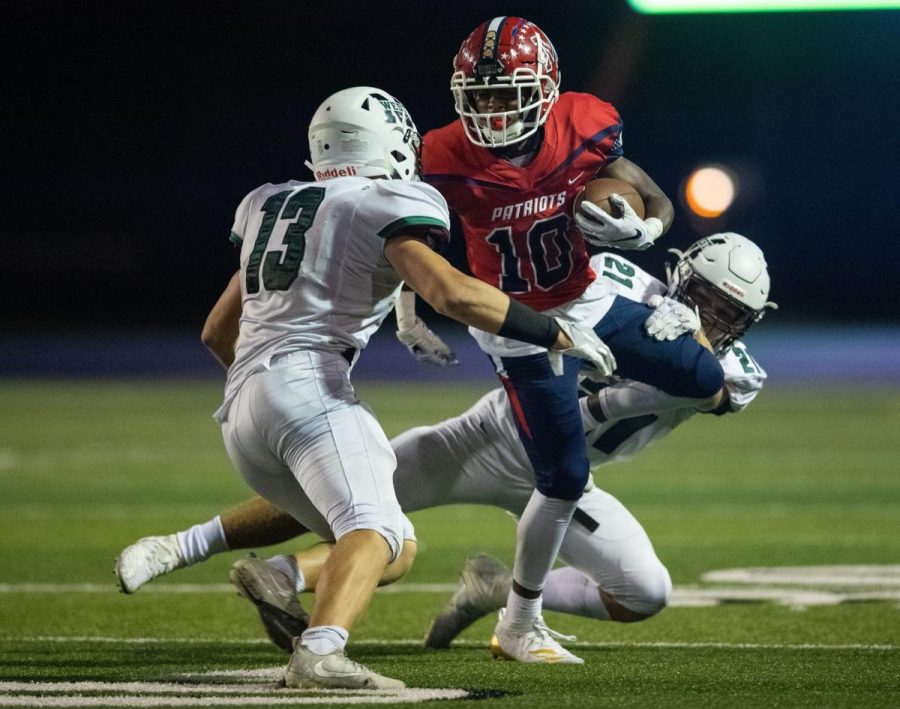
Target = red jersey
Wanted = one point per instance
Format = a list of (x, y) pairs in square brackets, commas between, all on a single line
[(520, 235)]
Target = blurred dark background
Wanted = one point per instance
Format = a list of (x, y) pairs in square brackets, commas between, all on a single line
[(132, 130)]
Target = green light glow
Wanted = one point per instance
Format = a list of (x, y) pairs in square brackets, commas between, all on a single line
[(657, 7)]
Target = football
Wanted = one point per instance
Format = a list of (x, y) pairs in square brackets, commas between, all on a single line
[(599, 190)]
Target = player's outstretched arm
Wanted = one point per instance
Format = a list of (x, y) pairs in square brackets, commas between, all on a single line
[(223, 324), (627, 398), (475, 303)]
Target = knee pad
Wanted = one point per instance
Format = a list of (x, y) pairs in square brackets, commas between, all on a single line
[(391, 524), (649, 590), (407, 529)]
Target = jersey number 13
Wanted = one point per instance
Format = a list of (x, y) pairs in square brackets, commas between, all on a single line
[(280, 267)]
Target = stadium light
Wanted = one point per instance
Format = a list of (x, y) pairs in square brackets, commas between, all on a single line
[(660, 7), (709, 191)]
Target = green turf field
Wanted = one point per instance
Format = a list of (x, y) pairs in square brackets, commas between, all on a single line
[(802, 478)]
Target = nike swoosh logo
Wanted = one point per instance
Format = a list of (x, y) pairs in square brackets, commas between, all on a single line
[(320, 671), (572, 181)]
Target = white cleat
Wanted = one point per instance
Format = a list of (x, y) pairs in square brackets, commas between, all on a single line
[(145, 560), (538, 644), (308, 670), (275, 598), (483, 588)]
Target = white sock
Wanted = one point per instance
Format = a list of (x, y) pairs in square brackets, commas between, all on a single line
[(569, 591), (538, 537), (521, 611), (324, 639), (287, 564), (202, 541)]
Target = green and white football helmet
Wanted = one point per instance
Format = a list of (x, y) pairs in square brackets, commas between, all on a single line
[(366, 132), (726, 277)]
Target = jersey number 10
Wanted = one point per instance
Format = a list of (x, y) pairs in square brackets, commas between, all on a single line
[(542, 234)]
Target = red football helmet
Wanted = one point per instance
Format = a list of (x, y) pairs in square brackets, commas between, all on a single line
[(505, 81)]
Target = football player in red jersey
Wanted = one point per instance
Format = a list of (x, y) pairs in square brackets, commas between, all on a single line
[(510, 168)]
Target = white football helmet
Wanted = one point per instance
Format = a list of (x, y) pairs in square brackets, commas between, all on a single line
[(726, 277), (364, 131)]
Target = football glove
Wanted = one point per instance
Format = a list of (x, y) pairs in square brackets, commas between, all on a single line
[(628, 232), (425, 346), (585, 345), (670, 318)]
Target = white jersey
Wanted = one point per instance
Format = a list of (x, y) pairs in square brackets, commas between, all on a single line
[(478, 457), (486, 435), (313, 271), (618, 276)]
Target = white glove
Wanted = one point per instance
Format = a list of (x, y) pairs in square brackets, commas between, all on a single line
[(670, 318), (425, 346), (628, 232), (585, 345)]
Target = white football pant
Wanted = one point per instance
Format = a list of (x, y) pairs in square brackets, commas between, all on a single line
[(300, 437), (459, 462)]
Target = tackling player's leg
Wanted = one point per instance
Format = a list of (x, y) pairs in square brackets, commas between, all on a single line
[(613, 573), (483, 587), (147, 559), (254, 523), (272, 586)]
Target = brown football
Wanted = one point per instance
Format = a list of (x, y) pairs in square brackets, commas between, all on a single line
[(599, 190)]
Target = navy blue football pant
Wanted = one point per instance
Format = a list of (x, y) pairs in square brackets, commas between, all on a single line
[(546, 405)]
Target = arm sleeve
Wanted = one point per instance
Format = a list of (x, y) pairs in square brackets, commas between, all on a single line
[(627, 399), (744, 379)]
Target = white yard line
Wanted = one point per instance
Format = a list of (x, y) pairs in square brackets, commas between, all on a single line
[(182, 687), (151, 694), (832, 576)]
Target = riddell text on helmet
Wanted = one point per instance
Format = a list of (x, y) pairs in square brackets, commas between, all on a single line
[(335, 172)]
